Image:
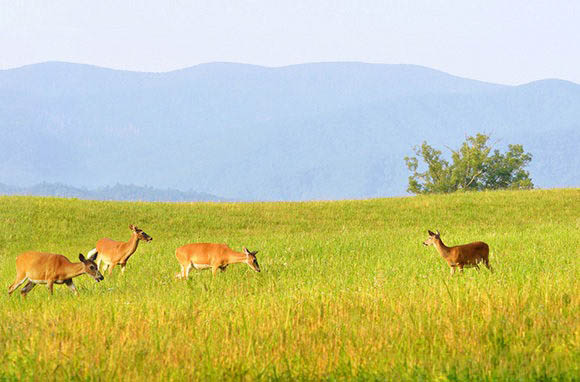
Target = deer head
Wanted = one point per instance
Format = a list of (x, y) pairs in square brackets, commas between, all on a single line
[(90, 267), (432, 238), (251, 259), (141, 235)]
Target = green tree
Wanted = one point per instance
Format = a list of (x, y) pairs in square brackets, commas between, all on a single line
[(473, 167)]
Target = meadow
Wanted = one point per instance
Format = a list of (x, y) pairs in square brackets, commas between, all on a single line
[(347, 291)]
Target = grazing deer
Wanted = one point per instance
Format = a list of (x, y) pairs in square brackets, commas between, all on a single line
[(214, 256), (111, 252), (49, 269), (462, 256)]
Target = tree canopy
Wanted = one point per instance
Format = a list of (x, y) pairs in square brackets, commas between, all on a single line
[(473, 167)]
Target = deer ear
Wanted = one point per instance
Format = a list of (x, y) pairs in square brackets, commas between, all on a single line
[(82, 258), (245, 250), (438, 234), (254, 253), (93, 257), (430, 233)]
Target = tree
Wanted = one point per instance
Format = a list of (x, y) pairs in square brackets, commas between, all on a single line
[(473, 168)]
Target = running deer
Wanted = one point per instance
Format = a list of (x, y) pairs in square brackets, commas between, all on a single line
[(215, 256), (111, 252), (49, 269), (462, 256)]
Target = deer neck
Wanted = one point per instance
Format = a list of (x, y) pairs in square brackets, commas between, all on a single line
[(74, 270), (132, 244), (236, 257), (442, 248)]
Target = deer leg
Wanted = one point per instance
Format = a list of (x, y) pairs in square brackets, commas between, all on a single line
[(27, 288), (112, 267), (49, 285), (452, 270), (179, 274), (186, 271), (20, 279), (214, 270), (486, 262), (123, 268), (71, 286)]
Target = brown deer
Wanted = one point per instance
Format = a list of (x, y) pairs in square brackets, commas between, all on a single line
[(111, 252), (215, 256), (461, 256), (49, 269)]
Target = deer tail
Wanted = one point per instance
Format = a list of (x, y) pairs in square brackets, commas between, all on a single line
[(92, 252)]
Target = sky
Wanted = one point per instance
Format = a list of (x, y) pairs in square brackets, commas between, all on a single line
[(509, 42)]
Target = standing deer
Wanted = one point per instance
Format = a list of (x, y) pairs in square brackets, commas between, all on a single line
[(49, 269), (462, 256), (111, 252), (215, 256)]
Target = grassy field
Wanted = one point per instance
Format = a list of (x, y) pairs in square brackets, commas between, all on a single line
[(347, 291)]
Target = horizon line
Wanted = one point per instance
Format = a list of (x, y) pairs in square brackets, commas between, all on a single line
[(279, 67)]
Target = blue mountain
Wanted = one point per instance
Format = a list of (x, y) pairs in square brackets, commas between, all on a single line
[(311, 131)]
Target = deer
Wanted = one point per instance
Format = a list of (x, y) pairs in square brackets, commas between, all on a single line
[(112, 253), (50, 269), (212, 256), (460, 256)]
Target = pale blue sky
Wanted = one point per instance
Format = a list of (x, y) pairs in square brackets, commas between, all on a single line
[(511, 42)]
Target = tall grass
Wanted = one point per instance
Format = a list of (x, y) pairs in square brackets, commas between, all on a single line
[(346, 291)]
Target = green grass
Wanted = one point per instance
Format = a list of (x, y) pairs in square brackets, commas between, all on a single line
[(347, 292)]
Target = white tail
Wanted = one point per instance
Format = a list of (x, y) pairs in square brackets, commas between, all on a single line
[(112, 253), (460, 256), (49, 269), (212, 256), (97, 257)]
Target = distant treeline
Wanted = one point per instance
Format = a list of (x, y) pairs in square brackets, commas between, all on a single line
[(116, 192)]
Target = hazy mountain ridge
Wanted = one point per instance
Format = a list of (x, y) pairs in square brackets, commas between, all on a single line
[(312, 131), (116, 192)]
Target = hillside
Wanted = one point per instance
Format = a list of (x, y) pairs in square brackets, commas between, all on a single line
[(347, 291), (312, 131)]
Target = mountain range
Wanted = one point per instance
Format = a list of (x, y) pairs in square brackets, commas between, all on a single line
[(116, 192), (245, 132)]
